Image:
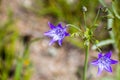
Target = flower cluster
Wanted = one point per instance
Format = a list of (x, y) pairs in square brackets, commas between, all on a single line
[(104, 62), (57, 33)]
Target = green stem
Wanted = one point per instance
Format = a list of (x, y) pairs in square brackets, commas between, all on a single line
[(98, 48), (86, 62), (84, 19), (73, 26), (96, 17)]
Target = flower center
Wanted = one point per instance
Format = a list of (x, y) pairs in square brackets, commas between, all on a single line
[(60, 33), (104, 60)]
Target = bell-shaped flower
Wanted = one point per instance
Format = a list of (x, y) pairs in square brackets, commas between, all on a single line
[(57, 33), (104, 62)]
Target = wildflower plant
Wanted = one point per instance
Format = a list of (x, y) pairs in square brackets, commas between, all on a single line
[(58, 33)]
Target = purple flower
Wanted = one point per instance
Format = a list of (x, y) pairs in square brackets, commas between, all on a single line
[(57, 33), (104, 62)]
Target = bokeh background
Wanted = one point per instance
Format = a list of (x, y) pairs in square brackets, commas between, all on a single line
[(24, 50)]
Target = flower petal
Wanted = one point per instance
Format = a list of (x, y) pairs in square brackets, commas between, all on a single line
[(51, 42), (113, 61), (67, 34), (108, 54), (60, 26), (95, 62), (99, 55), (108, 68), (48, 34), (60, 42), (100, 68), (51, 25)]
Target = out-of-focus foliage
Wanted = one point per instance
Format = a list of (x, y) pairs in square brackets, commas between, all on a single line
[(69, 11), (116, 29), (10, 52), (8, 39), (114, 23)]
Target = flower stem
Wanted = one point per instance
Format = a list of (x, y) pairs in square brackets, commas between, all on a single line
[(84, 19), (86, 62), (96, 18), (73, 26)]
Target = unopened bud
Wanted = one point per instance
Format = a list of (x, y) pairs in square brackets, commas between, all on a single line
[(84, 8)]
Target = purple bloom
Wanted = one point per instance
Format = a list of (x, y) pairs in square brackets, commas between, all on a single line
[(104, 62), (57, 33)]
